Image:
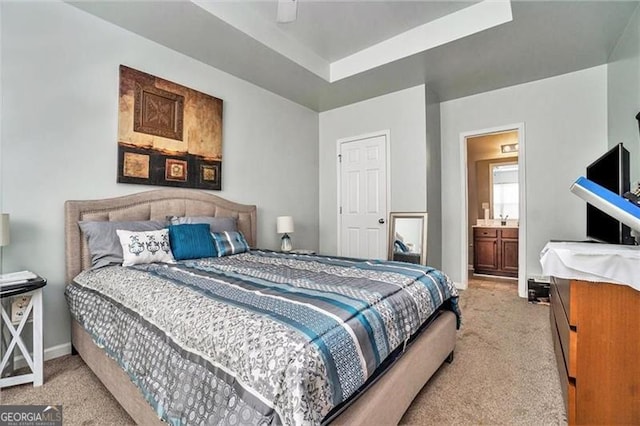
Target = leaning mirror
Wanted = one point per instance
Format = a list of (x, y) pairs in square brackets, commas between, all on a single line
[(408, 237)]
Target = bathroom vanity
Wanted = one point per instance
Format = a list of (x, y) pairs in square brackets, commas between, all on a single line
[(495, 250)]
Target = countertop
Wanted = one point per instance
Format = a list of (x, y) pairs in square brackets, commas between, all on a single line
[(496, 226)]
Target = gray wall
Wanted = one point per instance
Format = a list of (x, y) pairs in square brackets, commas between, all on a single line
[(59, 133), (403, 114), (623, 92), (434, 181), (1, 102), (565, 121)]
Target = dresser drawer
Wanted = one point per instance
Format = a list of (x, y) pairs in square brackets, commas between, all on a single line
[(572, 414), (485, 232), (562, 367), (563, 353), (563, 289), (568, 338)]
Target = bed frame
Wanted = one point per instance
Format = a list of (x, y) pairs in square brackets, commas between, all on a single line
[(383, 403)]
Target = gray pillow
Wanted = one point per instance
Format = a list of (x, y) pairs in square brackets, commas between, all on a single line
[(103, 241), (217, 224)]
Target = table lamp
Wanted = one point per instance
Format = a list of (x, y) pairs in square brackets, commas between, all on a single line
[(284, 225)]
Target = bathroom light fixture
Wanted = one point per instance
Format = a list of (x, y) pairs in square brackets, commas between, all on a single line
[(506, 149)]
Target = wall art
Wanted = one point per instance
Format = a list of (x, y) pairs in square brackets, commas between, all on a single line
[(168, 134)]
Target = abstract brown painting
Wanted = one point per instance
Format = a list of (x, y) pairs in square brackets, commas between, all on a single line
[(168, 134)]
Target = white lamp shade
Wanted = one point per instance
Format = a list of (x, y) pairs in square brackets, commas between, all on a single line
[(284, 224), (4, 229)]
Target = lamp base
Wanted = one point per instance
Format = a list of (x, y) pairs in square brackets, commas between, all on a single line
[(286, 243)]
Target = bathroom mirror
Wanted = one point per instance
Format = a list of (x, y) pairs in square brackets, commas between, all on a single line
[(504, 191), (408, 237)]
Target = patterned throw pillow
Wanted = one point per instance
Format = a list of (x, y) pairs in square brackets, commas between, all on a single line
[(104, 243), (145, 247), (191, 241), (229, 243)]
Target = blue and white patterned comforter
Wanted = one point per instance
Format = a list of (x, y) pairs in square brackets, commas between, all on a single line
[(255, 338)]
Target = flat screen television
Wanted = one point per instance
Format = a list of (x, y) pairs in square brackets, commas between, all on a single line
[(611, 171)]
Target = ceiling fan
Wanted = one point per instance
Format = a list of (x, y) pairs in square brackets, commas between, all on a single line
[(287, 11)]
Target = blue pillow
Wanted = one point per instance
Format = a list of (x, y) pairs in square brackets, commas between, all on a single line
[(230, 242), (191, 241), (217, 224)]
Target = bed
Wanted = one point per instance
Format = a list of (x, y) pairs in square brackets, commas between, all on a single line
[(377, 388)]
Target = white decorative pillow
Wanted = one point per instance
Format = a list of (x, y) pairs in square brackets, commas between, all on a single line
[(145, 247)]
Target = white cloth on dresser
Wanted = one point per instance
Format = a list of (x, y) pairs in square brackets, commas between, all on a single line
[(596, 262)]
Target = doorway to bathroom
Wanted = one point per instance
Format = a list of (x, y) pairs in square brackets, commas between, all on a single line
[(494, 205)]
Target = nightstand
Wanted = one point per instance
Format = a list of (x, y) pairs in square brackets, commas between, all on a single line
[(12, 328)]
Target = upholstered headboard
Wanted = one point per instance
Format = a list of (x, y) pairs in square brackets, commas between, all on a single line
[(150, 205)]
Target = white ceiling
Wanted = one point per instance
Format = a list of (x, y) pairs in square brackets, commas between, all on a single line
[(329, 29), (344, 38), (340, 52)]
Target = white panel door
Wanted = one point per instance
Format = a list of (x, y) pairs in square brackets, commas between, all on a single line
[(363, 198)]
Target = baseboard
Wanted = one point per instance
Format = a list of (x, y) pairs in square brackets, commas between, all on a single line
[(49, 353)]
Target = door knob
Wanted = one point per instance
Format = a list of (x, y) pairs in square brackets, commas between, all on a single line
[(381, 220)]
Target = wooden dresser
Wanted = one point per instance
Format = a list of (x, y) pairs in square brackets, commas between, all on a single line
[(596, 335)]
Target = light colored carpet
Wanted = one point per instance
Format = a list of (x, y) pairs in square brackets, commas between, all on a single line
[(503, 373), (68, 381)]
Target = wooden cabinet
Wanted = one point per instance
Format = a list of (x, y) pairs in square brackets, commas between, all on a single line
[(495, 251), (596, 336)]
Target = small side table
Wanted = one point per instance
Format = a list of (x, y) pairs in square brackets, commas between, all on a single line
[(34, 288)]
